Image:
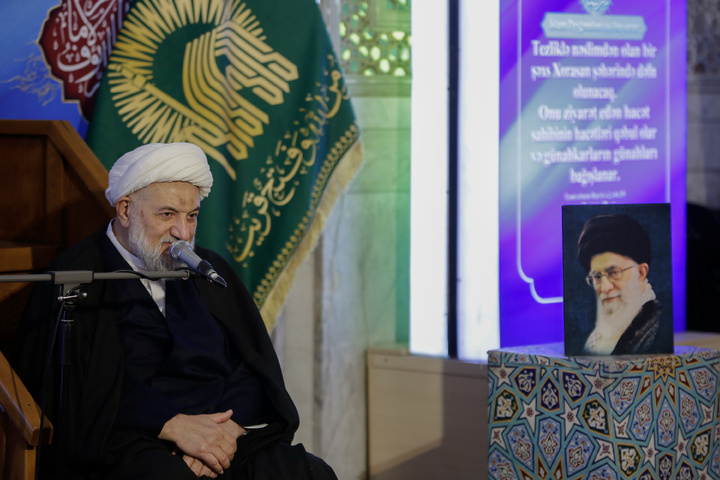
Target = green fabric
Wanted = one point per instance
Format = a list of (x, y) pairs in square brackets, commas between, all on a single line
[(257, 86)]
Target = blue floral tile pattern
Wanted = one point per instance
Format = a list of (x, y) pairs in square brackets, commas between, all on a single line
[(609, 418)]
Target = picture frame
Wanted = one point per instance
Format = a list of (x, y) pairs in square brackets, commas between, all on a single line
[(628, 315)]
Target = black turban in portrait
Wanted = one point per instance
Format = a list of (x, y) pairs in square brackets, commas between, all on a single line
[(619, 234)]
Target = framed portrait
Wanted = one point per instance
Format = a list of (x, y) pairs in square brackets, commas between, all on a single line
[(617, 279)]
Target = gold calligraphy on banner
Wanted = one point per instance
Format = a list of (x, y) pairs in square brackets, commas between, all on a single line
[(268, 281), (294, 157), (206, 105)]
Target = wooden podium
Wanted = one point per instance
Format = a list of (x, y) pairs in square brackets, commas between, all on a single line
[(52, 194)]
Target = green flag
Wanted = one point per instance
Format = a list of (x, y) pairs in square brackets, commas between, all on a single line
[(257, 86)]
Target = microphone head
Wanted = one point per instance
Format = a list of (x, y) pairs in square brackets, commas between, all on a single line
[(177, 248), (182, 251)]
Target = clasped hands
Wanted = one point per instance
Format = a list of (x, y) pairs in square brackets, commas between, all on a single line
[(206, 442)]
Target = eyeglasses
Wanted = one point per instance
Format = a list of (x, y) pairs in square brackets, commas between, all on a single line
[(614, 275)]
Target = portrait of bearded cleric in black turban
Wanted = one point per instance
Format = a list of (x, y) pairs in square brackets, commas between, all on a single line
[(617, 279)]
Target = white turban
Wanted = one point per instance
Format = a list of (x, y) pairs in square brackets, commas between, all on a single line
[(159, 162)]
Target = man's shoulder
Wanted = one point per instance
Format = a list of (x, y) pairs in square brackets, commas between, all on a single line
[(200, 250), (647, 318), (86, 252), (213, 257), (651, 309), (223, 267)]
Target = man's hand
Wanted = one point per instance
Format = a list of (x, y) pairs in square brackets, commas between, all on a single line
[(198, 467), (211, 439), (233, 429)]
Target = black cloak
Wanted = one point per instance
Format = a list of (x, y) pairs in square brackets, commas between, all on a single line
[(86, 439)]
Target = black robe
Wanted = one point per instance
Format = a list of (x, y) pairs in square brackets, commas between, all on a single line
[(87, 440), (644, 335)]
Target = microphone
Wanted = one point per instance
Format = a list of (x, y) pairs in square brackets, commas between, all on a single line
[(183, 252)]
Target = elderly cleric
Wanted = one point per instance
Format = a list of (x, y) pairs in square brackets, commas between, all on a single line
[(166, 378), (615, 251)]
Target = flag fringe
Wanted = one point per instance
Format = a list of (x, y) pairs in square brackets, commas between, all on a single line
[(345, 171)]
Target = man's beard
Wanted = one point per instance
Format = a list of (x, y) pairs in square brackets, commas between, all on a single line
[(628, 304), (615, 317), (152, 255)]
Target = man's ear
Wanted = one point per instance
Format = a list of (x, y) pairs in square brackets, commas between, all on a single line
[(643, 269), (122, 211)]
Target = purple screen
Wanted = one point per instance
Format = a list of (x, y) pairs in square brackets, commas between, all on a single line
[(593, 104)]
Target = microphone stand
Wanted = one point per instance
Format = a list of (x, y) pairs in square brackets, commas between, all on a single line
[(69, 283)]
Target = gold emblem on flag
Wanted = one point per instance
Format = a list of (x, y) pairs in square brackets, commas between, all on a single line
[(208, 108)]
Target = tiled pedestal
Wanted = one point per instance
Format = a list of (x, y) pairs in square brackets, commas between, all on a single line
[(649, 418)]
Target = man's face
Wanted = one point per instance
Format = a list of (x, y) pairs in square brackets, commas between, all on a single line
[(160, 214), (616, 294)]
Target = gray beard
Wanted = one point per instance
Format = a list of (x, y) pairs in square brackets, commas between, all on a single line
[(152, 256), (612, 320), (621, 315)]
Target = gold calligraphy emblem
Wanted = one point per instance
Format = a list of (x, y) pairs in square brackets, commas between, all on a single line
[(295, 155), (207, 105)]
